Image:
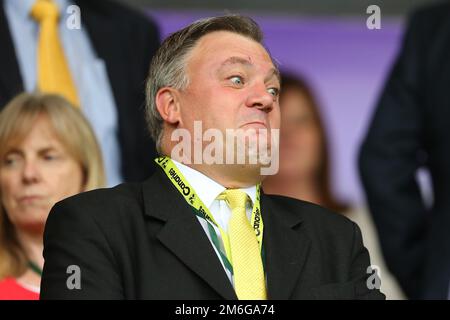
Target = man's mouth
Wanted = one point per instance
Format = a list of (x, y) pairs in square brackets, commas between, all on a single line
[(255, 124)]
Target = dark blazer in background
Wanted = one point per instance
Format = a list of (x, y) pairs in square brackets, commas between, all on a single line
[(142, 241), (126, 40), (411, 129)]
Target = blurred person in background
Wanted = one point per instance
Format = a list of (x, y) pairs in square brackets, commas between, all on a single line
[(410, 131), (305, 166), (100, 66), (48, 152)]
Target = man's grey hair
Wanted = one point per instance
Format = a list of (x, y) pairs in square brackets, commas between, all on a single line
[(168, 66)]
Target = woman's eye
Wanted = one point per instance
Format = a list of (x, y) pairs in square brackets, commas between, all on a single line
[(273, 91), (237, 80), (49, 157), (8, 162)]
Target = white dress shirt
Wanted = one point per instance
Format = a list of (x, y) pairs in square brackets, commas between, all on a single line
[(208, 190)]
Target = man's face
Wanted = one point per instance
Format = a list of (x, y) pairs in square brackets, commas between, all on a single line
[(233, 84)]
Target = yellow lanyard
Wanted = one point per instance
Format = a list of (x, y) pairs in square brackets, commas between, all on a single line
[(189, 194)]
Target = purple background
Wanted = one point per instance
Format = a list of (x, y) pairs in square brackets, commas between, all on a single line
[(345, 63)]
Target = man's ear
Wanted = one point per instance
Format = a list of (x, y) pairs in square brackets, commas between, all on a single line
[(167, 103)]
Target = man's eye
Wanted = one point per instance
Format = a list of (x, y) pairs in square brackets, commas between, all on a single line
[(274, 91), (237, 80)]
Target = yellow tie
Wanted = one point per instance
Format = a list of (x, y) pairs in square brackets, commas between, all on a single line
[(248, 270), (53, 70)]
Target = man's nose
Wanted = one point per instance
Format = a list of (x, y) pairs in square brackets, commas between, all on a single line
[(260, 98)]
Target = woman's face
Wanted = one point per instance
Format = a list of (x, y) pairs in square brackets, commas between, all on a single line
[(299, 136), (36, 174)]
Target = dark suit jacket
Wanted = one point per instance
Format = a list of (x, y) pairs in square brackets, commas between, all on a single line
[(126, 41), (142, 241), (411, 129)]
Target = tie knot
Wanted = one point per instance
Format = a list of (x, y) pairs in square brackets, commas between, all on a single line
[(44, 10), (235, 198)]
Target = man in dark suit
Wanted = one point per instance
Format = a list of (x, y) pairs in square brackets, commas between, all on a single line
[(109, 58), (195, 230), (409, 130)]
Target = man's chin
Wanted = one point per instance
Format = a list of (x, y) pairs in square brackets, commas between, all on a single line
[(242, 175)]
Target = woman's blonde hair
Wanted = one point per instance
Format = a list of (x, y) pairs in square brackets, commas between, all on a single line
[(76, 135)]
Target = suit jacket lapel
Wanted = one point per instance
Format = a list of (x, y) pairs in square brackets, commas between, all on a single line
[(10, 78), (286, 249), (183, 234)]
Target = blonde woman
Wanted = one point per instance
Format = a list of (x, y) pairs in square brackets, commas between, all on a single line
[(48, 152)]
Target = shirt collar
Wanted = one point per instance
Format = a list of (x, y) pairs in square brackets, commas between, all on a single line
[(23, 7), (206, 188)]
